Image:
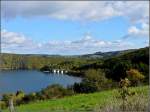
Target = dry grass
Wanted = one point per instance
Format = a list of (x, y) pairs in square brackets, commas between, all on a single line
[(136, 103)]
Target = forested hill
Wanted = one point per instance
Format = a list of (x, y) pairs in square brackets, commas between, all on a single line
[(37, 61), (138, 58), (115, 67), (118, 65), (107, 54)]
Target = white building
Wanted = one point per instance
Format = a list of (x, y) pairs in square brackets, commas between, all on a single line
[(62, 71)]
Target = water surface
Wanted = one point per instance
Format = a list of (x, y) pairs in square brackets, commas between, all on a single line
[(32, 81)]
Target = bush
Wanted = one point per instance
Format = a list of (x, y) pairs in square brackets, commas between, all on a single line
[(54, 91), (135, 76), (3, 105), (45, 68), (84, 87), (51, 92), (29, 97)]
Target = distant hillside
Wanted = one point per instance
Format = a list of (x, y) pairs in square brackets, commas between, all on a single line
[(107, 54), (37, 61)]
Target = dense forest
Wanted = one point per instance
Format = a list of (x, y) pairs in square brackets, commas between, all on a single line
[(19, 61)]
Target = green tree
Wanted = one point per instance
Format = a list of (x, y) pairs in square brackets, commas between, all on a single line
[(94, 80), (96, 77)]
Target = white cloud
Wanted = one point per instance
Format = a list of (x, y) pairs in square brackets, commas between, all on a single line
[(18, 43), (136, 11), (11, 37), (135, 32)]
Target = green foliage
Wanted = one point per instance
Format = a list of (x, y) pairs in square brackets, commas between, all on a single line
[(116, 67), (3, 105), (51, 92), (96, 77), (45, 68), (54, 91), (94, 80), (16, 61), (84, 87)]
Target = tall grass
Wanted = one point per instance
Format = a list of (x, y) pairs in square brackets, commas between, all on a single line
[(136, 103)]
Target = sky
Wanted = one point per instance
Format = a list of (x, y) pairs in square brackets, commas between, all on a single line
[(73, 27)]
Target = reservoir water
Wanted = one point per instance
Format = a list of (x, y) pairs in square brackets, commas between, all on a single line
[(32, 81)]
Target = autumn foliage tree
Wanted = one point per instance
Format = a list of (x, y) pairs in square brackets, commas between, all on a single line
[(124, 92), (135, 76)]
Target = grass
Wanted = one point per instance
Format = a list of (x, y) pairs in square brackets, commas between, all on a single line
[(96, 102)]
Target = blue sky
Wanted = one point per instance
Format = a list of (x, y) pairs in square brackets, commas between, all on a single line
[(69, 28), (49, 29)]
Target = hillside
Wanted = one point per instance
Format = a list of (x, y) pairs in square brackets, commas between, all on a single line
[(37, 61), (138, 59), (33, 61), (107, 54), (115, 64), (86, 102)]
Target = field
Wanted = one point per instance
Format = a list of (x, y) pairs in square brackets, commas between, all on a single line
[(94, 102)]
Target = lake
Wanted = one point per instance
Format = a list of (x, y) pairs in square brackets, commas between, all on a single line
[(32, 81)]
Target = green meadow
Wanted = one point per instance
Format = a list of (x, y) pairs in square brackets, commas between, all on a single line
[(93, 102)]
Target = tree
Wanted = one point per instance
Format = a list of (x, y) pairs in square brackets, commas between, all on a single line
[(45, 68), (84, 87), (135, 76), (94, 80), (116, 68), (96, 77)]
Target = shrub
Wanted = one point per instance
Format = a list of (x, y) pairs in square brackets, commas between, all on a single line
[(135, 76), (84, 87), (3, 105), (54, 91), (124, 92), (28, 98)]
